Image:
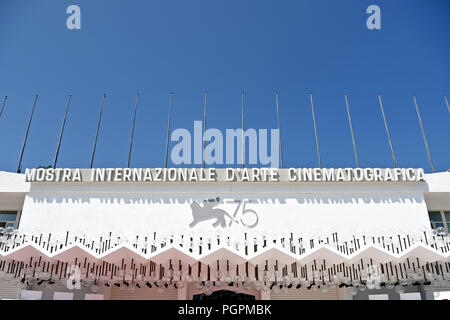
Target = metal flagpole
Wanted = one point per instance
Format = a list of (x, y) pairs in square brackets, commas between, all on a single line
[(3, 106), (446, 102), (19, 166), (423, 134), (243, 135), (98, 129), (279, 130), (351, 129), (168, 127), (387, 130), (315, 129), (132, 130), (61, 132), (204, 129)]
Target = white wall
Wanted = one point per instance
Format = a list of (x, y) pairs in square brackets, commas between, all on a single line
[(165, 207)]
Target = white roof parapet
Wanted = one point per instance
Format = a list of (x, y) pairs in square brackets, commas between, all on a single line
[(13, 182), (438, 182)]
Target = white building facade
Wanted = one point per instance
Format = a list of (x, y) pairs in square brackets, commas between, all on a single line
[(192, 233)]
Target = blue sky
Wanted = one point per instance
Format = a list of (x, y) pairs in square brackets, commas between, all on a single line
[(154, 47)]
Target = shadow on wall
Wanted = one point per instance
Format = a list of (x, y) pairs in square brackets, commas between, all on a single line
[(142, 199)]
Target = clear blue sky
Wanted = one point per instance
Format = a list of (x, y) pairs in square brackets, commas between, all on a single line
[(154, 47)]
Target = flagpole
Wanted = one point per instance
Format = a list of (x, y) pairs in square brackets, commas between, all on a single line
[(61, 132), (98, 129), (3, 106), (387, 130), (204, 129), (243, 135), (351, 129), (423, 134), (315, 130), (446, 102), (132, 130), (19, 166), (168, 127), (279, 130)]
